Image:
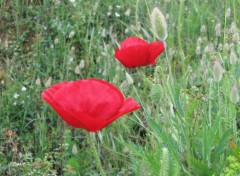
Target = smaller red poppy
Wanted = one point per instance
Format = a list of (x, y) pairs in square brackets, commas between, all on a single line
[(135, 52), (90, 104)]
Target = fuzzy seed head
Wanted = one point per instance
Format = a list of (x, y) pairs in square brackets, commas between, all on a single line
[(203, 29), (128, 12), (228, 12), (233, 57), (38, 81), (129, 78), (71, 34), (198, 50), (48, 82), (218, 29), (234, 94), (74, 149), (159, 25), (217, 71)]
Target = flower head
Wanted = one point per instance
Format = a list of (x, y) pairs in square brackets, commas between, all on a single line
[(90, 104), (135, 52)]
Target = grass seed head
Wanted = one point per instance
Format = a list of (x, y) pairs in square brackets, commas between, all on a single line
[(234, 94), (217, 71), (233, 57), (159, 25)]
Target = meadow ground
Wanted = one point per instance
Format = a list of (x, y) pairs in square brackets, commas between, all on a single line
[(189, 121)]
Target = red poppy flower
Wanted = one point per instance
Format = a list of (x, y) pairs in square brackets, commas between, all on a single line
[(135, 52), (90, 104)]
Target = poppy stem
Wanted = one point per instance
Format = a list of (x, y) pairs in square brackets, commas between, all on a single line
[(95, 153)]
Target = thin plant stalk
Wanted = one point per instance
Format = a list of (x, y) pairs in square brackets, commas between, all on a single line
[(95, 153), (234, 121), (219, 109)]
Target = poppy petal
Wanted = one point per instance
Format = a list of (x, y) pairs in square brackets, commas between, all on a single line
[(90, 123), (134, 52), (47, 96), (93, 97), (129, 106), (133, 56), (132, 41), (154, 50)]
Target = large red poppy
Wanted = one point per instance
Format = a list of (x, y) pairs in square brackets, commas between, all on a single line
[(135, 52), (90, 104)]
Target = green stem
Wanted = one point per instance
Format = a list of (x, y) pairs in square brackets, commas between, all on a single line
[(219, 111), (95, 153), (235, 125)]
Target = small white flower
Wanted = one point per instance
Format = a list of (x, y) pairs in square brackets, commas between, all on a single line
[(24, 89), (14, 103), (72, 1), (16, 95)]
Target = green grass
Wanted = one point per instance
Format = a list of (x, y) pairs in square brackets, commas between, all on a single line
[(188, 124)]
